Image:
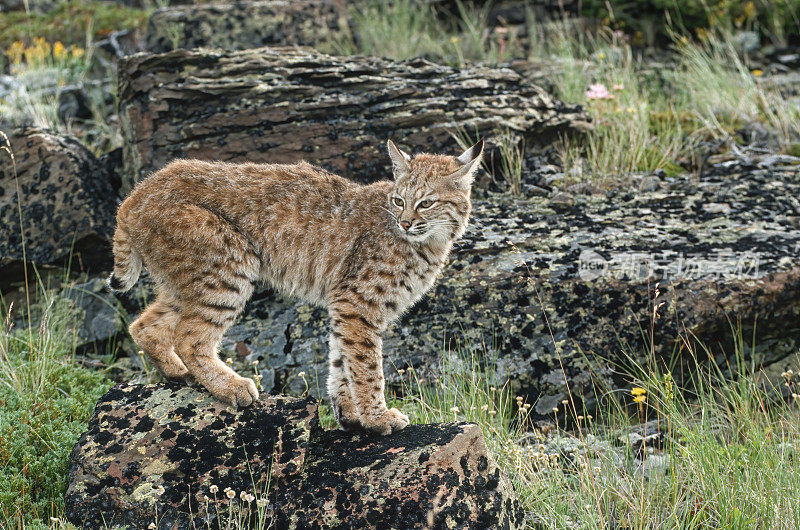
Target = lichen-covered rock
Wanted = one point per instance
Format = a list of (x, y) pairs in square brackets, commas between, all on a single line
[(725, 249), (153, 452), (67, 201), (425, 476), (285, 104), (242, 25)]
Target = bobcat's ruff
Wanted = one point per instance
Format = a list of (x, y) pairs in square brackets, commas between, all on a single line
[(209, 231)]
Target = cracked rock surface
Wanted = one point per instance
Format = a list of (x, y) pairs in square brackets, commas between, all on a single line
[(281, 104), (161, 449)]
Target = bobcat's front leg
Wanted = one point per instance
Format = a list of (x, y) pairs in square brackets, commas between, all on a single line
[(362, 358), (344, 409)]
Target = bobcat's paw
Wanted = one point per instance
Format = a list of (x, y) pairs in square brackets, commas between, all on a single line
[(385, 422), (237, 391), (174, 372), (346, 415)]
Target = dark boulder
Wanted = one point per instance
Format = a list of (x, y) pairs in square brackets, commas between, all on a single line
[(242, 25), (169, 455), (66, 200)]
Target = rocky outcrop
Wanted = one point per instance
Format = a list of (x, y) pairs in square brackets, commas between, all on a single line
[(285, 104), (66, 200), (581, 290), (169, 455), (242, 25)]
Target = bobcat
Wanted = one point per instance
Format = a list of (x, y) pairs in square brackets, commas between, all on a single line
[(209, 231)]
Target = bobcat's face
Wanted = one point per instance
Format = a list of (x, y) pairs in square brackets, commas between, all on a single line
[(431, 195)]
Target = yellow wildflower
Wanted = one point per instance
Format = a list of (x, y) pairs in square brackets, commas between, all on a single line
[(15, 52), (750, 10), (77, 52), (757, 73), (59, 51), (639, 399), (638, 391)]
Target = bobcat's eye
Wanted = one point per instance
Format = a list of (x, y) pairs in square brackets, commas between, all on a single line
[(427, 203), (398, 202)]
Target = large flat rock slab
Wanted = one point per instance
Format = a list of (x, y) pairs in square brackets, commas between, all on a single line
[(168, 455), (66, 201), (579, 288), (283, 104), (242, 25)]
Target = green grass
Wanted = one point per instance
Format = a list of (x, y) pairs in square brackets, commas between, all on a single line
[(46, 401), (731, 453), (652, 118), (406, 29)]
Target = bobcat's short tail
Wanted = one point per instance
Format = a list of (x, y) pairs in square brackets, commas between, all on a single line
[(127, 263)]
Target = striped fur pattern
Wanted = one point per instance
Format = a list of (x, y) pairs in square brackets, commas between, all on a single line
[(209, 232)]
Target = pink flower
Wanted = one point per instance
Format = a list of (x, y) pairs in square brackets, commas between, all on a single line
[(598, 91)]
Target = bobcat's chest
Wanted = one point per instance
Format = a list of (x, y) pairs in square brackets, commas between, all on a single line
[(413, 285)]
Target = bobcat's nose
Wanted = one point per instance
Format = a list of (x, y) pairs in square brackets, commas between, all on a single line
[(405, 225)]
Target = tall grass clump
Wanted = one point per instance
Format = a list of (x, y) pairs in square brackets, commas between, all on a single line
[(727, 459), (406, 29), (637, 126), (46, 399), (724, 93)]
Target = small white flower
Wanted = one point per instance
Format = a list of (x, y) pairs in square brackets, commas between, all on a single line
[(261, 503), (301, 374), (454, 410), (249, 497), (160, 490), (213, 489), (229, 360), (230, 493), (151, 526)]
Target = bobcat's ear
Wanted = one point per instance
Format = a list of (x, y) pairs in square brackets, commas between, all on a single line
[(399, 159), (471, 159)]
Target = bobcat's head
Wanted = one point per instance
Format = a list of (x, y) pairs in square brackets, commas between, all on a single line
[(430, 198)]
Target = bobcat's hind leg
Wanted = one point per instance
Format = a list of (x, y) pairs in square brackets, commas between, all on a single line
[(212, 291), (154, 332), (344, 410)]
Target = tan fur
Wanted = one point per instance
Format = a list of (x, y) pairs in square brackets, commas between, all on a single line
[(208, 232)]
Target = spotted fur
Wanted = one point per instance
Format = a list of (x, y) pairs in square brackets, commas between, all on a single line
[(209, 231)]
